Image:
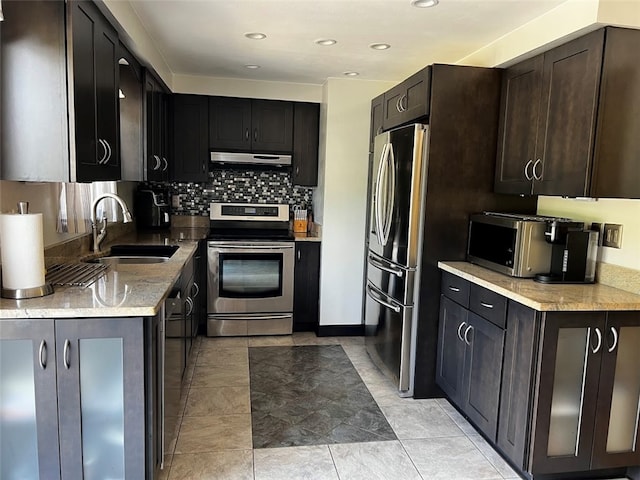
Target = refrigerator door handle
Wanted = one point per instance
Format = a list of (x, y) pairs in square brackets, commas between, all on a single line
[(378, 192), (371, 290), (391, 192), (378, 264)]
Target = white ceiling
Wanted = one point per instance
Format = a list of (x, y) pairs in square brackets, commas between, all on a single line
[(206, 37)]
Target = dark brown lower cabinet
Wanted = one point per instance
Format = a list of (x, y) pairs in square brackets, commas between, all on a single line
[(306, 289), (588, 392), (563, 387), (469, 363)]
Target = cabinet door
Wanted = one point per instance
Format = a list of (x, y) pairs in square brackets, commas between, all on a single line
[(451, 347), (616, 435), (230, 124), (482, 372), (566, 126), (95, 90), (306, 289), (154, 164), (567, 390), (377, 116), (190, 138), (517, 371), (408, 101), (519, 112), (272, 126), (306, 133), (28, 407), (100, 363)]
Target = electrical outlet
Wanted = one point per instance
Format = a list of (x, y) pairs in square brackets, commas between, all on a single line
[(612, 235), (175, 201)]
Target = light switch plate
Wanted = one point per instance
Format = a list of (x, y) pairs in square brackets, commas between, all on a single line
[(612, 235)]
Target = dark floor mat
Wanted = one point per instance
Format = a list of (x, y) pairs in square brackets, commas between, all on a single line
[(310, 395)]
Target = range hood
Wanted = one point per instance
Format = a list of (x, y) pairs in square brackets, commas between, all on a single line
[(228, 158)]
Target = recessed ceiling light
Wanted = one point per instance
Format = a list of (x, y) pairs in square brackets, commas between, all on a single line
[(424, 3), (380, 46), (326, 42), (252, 67), (255, 35), (351, 74)]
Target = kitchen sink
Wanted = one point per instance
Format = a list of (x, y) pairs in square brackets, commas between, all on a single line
[(165, 251), (128, 259)]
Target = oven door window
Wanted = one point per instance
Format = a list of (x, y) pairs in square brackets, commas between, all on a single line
[(250, 275)]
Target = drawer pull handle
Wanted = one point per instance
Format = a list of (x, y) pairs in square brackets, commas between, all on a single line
[(486, 305), (460, 331), (454, 289)]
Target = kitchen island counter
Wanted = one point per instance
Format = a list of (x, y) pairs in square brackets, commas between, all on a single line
[(546, 297), (126, 290)]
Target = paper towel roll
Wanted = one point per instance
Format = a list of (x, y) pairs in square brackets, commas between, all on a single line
[(22, 246)]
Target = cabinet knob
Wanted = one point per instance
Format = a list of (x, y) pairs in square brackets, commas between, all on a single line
[(486, 305), (104, 148), (466, 332), (246, 134), (165, 164), (298, 254), (454, 289), (255, 135)]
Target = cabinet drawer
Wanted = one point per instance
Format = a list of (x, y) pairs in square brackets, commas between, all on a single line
[(456, 288), (489, 305)]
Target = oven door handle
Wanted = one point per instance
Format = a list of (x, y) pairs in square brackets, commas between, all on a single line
[(276, 316), (240, 246)]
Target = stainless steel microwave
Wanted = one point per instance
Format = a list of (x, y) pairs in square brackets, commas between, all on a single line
[(512, 244)]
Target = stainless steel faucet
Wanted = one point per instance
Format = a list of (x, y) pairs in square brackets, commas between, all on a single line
[(99, 236)]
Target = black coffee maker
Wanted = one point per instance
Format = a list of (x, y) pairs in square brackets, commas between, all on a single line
[(573, 253), (152, 208)]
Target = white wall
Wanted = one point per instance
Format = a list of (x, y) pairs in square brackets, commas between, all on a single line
[(343, 183)]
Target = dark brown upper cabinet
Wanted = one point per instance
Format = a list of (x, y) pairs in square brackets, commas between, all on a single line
[(407, 101), (190, 119), (131, 102), (58, 133), (568, 117), (377, 106), (157, 129), (306, 131), (250, 125), (95, 93)]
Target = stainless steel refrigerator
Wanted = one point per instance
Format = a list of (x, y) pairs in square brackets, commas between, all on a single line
[(397, 198), (425, 182)]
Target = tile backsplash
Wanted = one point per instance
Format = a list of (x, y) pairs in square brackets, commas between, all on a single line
[(241, 186)]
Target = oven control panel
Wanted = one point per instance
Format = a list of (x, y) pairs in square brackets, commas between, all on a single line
[(249, 212)]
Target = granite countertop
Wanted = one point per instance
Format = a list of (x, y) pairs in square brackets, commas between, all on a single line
[(127, 290), (307, 237), (546, 297)]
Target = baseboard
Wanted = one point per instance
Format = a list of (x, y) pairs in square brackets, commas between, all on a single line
[(341, 330)]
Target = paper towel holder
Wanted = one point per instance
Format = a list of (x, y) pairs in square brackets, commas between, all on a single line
[(22, 293)]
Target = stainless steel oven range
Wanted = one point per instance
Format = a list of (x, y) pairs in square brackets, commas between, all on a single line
[(250, 270)]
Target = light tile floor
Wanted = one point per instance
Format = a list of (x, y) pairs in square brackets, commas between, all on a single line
[(214, 431)]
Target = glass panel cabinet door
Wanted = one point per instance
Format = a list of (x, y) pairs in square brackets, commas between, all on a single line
[(101, 395), (567, 391), (616, 436), (28, 409)]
